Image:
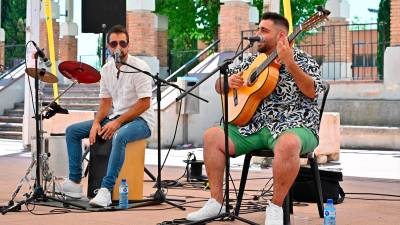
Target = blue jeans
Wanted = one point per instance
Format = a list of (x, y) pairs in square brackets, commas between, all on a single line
[(132, 131)]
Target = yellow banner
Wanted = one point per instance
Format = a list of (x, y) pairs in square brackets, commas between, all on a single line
[(50, 38), (287, 11)]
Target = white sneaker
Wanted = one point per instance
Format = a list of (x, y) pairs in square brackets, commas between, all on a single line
[(102, 199), (70, 189), (273, 214), (210, 209)]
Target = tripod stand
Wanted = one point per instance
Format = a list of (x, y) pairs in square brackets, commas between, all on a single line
[(38, 193), (159, 196), (223, 68)]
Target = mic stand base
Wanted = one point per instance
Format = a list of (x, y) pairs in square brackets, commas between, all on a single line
[(40, 196)]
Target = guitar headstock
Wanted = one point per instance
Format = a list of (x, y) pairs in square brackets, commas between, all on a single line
[(315, 20)]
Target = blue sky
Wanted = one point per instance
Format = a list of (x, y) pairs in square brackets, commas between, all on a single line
[(87, 43), (359, 8)]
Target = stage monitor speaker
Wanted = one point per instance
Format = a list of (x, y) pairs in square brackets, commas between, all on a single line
[(95, 13)]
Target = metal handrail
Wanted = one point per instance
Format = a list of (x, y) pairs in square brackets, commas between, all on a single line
[(2, 76), (184, 66)]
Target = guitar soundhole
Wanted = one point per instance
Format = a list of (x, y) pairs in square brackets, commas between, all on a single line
[(252, 78)]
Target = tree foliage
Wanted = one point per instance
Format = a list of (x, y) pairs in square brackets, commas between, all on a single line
[(189, 21), (193, 20), (303, 9), (383, 33), (13, 15)]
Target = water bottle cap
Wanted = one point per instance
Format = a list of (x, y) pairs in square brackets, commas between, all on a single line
[(330, 201), (124, 180)]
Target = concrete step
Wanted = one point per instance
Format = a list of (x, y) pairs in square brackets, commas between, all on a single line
[(76, 86), (11, 135), (73, 99), (370, 137), (14, 112), (11, 127), (73, 93), (19, 105), (11, 119)]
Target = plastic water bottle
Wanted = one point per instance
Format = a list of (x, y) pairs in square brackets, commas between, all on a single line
[(329, 213), (123, 195)]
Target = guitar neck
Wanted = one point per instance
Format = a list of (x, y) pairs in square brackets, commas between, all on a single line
[(274, 54)]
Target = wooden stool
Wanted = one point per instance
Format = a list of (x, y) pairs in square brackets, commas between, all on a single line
[(132, 171)]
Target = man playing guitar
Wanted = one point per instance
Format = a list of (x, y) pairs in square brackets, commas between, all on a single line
[(286, 121)]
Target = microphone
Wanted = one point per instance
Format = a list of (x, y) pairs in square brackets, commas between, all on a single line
[(255, 38), (41, 54), (117, 56)]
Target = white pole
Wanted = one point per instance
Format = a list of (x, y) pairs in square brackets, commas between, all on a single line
[(275, 5), (32, 33), (69, 6)]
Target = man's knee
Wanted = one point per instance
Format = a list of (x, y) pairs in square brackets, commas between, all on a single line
[(71, 130), (119, 138), (212, 134), (288, 146)]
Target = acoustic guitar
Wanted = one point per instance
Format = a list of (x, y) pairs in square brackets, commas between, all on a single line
[(262, 76)]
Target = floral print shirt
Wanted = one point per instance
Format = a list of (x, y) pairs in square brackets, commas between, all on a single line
[(286, 107)]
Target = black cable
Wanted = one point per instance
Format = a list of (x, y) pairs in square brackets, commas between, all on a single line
[(233, 184), (29, 83), (176, 128), (129, 71)]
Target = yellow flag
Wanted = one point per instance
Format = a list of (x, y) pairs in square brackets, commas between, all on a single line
[(50, 38), (287, 11)]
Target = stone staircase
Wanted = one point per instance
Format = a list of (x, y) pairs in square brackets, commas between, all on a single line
[(11, 122), (79, 97)]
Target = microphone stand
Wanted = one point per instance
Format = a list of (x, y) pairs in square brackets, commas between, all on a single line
[(159, 196), (38, 194), (224, 69)]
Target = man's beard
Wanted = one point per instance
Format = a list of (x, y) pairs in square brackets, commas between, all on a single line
[(262, 49)]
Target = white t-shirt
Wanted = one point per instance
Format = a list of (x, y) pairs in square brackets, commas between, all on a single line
[(126, 88)]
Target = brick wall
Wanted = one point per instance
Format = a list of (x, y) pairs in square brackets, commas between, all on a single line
[(142, 33), (395, 23), (44, 43), (234, 17), (339, 38), (68, 48), (162, 47)]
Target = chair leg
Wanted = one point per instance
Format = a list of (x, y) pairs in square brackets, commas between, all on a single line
[(290, 194), (243, 180), (317, 185), (149, 174), (286, 209)]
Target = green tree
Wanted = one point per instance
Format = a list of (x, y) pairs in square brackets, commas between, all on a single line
[(383, 33), (189, 21), (181, 21), (13, 15)]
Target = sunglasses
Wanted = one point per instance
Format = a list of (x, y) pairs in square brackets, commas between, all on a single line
[(114, 44)]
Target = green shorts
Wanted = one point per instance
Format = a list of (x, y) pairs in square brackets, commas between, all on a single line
[(263, 140)]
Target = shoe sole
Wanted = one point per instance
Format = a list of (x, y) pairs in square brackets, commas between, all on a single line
[(73, 195), (95, 204)]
